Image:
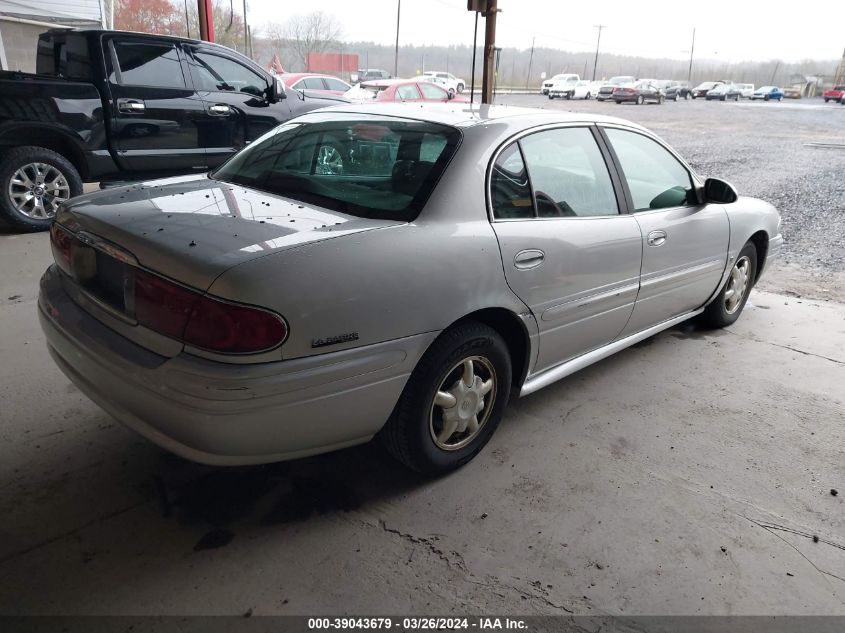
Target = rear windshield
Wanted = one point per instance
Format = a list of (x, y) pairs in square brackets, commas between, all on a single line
[(373, 167)]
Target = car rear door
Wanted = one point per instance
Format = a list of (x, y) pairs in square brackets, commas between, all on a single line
[(236, 110), (568, 251), (684, 243), (155, 113)]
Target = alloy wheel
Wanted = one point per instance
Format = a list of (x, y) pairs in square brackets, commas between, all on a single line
[(737, 284), (37, 189), (463, 403)]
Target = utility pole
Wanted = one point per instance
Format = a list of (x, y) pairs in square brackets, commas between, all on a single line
[(598, 42), (247, 50), (396, 52), (489, 52), (206, 18), (691, 52), (530, 59)]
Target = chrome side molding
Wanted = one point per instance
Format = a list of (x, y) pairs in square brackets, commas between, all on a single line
[(553, 374)]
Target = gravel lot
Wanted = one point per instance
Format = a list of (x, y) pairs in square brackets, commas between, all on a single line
[(766, 150)]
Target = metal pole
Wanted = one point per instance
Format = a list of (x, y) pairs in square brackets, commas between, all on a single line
[(489, 52), (396, 52), (187, 19), (530, 60), (246, 34), (204, 10), (598, 41), (691, 52), (474, 48)]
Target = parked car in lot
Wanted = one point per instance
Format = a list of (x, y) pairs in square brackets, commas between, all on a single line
[(837, 93), (112, 105), (606, 91), (562, 78), (678, 90), (400, 90), (640, 92), (723, 92), (370, 74), (768, 93), (241, 317), (580, 89), (447, 80), (315, 83), (703, 88), (745, 90)]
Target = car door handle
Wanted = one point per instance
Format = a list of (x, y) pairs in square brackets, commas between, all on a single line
[(656, 238), (131, 106), (528, 259), (219, 109)]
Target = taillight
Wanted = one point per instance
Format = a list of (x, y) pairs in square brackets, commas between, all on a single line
[(202, 321), (62, 244)]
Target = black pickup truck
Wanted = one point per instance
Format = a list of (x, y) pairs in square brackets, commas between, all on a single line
[(117, 106)]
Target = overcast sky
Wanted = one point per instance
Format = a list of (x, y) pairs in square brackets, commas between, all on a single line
[(729, 30)]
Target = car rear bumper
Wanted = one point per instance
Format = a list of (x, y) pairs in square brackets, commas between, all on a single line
[(221, 413)]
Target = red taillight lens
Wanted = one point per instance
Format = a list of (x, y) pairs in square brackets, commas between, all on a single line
[(202, 321), (62, 244)]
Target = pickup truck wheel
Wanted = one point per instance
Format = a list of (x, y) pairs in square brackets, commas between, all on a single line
[(453, 400), (35, 181)]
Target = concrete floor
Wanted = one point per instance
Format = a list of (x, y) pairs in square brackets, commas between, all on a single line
[(685, 475)]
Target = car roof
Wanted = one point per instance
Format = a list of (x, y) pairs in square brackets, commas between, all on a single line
[(466, 115)]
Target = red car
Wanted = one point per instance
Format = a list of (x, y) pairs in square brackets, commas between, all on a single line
[(837, 93), (317, 83), (401, 90)]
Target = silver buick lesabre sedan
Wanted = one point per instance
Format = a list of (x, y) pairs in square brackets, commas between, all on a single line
[(389, 270)]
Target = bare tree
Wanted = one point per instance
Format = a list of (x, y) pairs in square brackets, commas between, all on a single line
[(315, 32)]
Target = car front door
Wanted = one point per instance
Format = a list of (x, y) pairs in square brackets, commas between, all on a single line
[(236, 108), (685, 243), (568, 252), (155, 113)]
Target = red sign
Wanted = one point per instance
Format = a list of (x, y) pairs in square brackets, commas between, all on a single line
[(331, 62)]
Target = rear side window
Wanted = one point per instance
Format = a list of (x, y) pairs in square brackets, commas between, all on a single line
[(510, 191), (312, 83), (149, 65), (335, 84), (365, 166), (655, 177), (568, 174)]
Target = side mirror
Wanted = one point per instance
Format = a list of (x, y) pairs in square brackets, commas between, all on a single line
[(719, 191), (276, 91)]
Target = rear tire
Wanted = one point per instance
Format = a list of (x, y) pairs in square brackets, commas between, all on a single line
[(725, 309), (24, 171), (418, 431)]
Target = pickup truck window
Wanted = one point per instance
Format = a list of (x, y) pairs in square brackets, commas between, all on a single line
[(215, 73), (149, 65)]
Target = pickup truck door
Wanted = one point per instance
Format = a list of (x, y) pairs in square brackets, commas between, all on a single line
[(154, 112), (234, 96)]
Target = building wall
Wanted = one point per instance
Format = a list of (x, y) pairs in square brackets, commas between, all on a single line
[(67, 11), (20, 42)]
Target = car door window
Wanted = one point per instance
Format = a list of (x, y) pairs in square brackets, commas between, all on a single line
[(335, 84), (510, 191), (221, 74), (656, 179), (568, 174), (433, 92), (312, 83), (149, 65), (407, 92)]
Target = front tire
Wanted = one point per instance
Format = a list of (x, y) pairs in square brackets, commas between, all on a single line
[(452, 402), (640, 100), (35, 181), (725, 309)]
